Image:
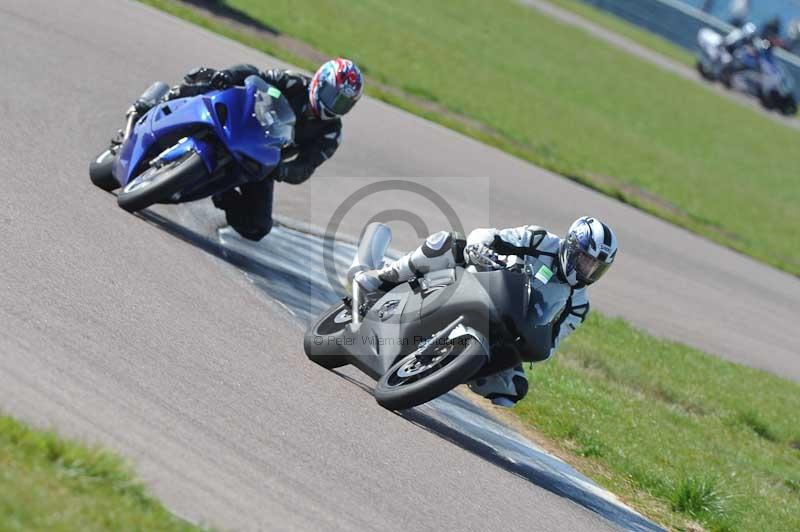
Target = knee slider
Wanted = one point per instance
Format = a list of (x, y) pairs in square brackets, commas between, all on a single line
[(437, 244), (256, 232)]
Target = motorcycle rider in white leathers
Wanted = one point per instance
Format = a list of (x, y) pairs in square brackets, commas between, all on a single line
[(734, 44), (577, 260)]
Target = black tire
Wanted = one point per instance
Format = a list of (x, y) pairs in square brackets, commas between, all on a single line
[(100, 170), (767, 101), (789, 106), (702, 71), (726, 78), (465, 358), (158, 185), (319, 341)]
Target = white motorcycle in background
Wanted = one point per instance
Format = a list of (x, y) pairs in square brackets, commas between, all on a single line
[(751, 69), (713, 58)]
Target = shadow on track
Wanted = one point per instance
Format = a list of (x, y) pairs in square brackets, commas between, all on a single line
[(221, 9), (286, 265), (304, 295)]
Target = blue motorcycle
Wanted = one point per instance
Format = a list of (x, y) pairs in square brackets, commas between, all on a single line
[(191, 148), (751, 69)]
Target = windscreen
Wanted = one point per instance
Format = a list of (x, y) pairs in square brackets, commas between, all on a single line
[(273, 111)]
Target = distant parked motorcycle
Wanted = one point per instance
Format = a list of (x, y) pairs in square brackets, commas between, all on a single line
[(427, 336), (191, 148), (752, 69)]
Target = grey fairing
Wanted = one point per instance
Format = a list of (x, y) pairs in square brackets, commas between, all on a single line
[(493, 304)]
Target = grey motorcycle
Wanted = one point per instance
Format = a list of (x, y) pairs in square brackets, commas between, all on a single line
[(426, 336)]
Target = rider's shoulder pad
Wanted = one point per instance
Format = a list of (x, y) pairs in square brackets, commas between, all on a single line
[(541, 239), (536, 235)]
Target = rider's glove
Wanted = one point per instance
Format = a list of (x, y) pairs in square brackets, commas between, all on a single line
[(221, 79), (482, 256)]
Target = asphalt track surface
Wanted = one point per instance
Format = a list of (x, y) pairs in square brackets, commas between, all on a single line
[(133, 332)]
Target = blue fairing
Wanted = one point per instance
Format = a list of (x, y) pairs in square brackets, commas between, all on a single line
[(228, 114)]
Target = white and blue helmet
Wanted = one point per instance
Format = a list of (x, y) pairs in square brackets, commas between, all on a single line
[(587, 251)]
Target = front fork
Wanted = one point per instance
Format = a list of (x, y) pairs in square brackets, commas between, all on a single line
[(131, 116), (355, 305), (154, 94)]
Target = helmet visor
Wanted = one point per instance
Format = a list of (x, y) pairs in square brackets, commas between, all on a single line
[(588, 268), (334, 100)]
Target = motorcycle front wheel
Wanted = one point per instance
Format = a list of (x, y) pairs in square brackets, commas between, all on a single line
[(159, 184), (417, 379)]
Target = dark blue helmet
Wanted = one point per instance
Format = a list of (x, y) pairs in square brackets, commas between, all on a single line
[(587, 251)]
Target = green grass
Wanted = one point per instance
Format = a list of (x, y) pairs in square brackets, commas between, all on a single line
[(47, 483), (558, 97), (678, 433), (622, 27)]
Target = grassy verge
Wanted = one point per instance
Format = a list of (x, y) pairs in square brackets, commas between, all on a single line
[(622, 27), (553, 95), (47, 483), (681, 435)]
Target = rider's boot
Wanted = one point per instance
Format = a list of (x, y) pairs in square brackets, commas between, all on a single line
[(504, 388), (386, 278), (372, 286), (440, 251), (154, 94)]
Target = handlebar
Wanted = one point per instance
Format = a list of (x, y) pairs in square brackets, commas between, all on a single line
[(495, 262)]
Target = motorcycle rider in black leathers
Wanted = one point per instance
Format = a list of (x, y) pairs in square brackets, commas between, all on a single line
[(318, 103)]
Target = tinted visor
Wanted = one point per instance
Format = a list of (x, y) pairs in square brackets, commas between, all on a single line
[(588, 268), (334, 100)]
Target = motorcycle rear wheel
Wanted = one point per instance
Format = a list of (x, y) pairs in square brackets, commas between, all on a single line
[(320, 341), (413, 381), (160, 184), (706, 75), (100, 171)]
